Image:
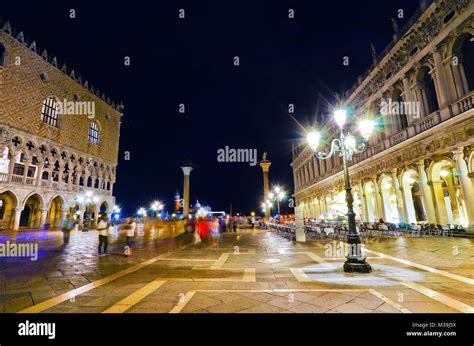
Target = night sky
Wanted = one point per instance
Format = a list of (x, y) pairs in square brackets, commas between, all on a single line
[(191, 61)]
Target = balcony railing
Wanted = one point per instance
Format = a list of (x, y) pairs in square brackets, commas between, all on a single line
[(3, 177), (17, 179), (458, 107), (466, 103)]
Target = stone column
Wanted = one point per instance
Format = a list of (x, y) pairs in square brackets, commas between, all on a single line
[(466, 187), (439, 203), (363, 203), (402, 216), (426, 193), (325, 206), (44, 214), (421, 101), (265, 165), (379, 201), (69, 180), (442, 90), (16, 219), (25, 172), (187, 172), (409, 97), (62, 169), (11, 165)]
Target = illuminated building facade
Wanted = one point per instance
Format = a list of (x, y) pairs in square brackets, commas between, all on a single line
[(419, 166), (55, 158)]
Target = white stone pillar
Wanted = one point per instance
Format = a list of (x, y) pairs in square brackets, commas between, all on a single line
[(16, 219), (402, 216), (426, 193), (363, 202), (44, 214), (11, 165), (187, 172), (466, 186), (379, 201), (443, 91), (25, 172)]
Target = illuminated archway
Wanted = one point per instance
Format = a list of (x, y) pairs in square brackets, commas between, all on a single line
[(447, 193), (413, 197), (8, 203), (389, 200), (31, 213), (54, 213)]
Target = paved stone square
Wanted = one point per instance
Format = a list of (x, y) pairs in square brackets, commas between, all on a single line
[(252, 271)]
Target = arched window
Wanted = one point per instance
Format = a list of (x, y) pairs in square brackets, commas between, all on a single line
[(429, 91), (3, 55), (49, 112), (402, 116), (468, 61), (93, 133)]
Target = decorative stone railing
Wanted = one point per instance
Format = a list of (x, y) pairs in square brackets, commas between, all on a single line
[(398, 138), (466, 103), (3, 177), (17, 179)]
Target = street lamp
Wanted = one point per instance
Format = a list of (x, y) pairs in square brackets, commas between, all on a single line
[(156, 206), (277, 194), (141, 212), (345, 146)]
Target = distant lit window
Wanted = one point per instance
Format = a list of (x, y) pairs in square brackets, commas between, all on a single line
[(94, 133), (49, 112)]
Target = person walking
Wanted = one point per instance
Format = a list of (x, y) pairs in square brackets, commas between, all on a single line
[(67, 227), (214, 231), (234, 224), (132, 226), (103, 229)]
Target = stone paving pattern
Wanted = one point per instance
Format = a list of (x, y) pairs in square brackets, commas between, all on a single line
[(252, 271)]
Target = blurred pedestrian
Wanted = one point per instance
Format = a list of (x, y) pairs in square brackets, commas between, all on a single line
[(67, 227), (132, 226), (234, 224), (103, 229), (214, 231)]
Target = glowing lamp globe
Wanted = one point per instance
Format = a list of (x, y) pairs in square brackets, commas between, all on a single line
[(313, 139), (366, 128), (340, 117)]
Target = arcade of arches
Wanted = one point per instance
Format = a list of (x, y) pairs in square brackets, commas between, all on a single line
[(35, 211), (437, 191)]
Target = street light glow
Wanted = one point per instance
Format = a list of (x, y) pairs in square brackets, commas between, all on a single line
[(340, 116), (313, 137), (366, 128)]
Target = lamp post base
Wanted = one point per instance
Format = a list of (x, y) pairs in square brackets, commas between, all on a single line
[(357, 265)]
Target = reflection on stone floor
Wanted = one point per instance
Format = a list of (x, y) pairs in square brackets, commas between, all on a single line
[(253, 271)]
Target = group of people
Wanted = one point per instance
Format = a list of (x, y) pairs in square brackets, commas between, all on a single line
[(212, 228), (103, 228), (204, 228)]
